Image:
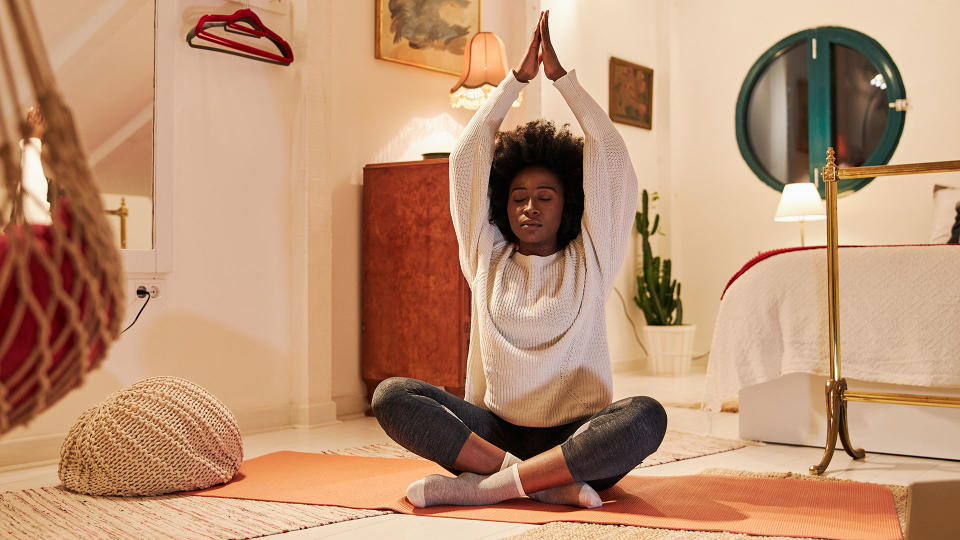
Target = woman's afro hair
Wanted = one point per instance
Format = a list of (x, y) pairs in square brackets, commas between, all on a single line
[(538, 144)]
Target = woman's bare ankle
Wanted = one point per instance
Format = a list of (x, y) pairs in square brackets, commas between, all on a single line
[(479, 456)]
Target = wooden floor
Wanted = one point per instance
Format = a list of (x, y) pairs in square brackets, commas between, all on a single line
[(879, 468)]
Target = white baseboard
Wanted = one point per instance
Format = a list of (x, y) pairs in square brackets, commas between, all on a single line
[(30, 451), (628, 365), (351, 405), (40, 450), (313, 415), (264, 419)]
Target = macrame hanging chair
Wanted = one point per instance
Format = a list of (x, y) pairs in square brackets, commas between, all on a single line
[(61, 289)]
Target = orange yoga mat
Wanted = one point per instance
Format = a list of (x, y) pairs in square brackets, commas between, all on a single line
[(759, 506)]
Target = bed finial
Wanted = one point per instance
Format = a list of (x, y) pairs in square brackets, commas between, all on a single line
[(830, 170)]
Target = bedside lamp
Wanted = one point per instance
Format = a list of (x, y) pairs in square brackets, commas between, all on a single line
[(484, 66), (800, 202)]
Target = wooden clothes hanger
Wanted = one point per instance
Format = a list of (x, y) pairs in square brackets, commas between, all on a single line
[(244, 22)]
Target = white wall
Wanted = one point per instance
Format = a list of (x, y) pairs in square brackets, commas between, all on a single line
[(374, 111), (262, 306), (380, 111), (585, 36), (722, 213), (228, 316)]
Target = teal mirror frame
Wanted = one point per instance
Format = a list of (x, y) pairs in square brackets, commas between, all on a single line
[(819, 100)]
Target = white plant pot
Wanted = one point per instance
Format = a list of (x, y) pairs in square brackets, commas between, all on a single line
[(669, 348)]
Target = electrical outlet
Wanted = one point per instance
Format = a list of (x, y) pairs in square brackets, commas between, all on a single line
[(152, 286)]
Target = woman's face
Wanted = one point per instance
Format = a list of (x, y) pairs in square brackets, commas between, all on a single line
[(535, 210)]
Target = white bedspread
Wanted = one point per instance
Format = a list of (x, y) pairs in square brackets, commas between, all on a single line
[(899, 319)]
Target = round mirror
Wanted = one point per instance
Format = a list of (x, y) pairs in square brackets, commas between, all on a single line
[(777, 117), (823, 87), (860, 106)]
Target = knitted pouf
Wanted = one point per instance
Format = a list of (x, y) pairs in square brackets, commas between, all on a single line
[(160, 435)]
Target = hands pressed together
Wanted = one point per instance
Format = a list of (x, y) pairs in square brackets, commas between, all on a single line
[(540, 52), (35, 124)]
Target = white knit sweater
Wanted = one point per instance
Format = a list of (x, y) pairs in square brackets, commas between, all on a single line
[(36, 209), (538, 345)]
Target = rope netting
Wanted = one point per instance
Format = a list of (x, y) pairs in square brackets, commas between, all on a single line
[(61, 285)]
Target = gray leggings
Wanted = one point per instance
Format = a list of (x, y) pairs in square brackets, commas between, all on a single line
[(615, 441)]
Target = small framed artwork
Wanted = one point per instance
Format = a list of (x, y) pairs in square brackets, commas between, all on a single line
[(429, 34), (631, 93)]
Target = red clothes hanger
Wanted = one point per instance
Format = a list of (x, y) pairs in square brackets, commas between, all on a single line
[(251, 26)]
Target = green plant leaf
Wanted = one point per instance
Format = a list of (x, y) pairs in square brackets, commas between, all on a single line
[(658, 294)]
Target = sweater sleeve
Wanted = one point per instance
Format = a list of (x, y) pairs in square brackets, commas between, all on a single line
[(470, 164), (609, 182), (36, 209)]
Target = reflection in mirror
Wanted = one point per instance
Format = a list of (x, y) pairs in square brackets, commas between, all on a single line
[(777, 117), (859, 105), (103, 55)]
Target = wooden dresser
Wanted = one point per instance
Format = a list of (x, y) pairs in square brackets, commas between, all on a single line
[(416, 303)]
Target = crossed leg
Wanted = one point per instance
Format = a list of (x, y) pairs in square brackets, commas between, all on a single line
[(565, 465)]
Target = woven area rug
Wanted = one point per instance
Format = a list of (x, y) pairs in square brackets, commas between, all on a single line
[(676, 446), (53, 512), (591, 531)]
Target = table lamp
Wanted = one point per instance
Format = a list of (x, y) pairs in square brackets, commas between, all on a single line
[(800, 202), (484, 66)]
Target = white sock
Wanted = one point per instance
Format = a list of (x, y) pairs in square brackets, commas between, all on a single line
[(575, 494), (508, 460), (466, 489)]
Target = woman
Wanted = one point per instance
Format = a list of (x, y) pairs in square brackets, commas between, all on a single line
[(541, 254)]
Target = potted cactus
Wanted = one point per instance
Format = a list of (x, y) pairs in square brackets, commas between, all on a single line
[(669, 342)]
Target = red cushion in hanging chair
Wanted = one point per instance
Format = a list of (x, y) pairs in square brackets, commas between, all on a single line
[(29, 385)]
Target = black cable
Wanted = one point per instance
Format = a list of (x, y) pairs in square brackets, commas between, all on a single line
[(141, 291)]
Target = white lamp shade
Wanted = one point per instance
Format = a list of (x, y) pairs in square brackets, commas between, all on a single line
[(800, 202)]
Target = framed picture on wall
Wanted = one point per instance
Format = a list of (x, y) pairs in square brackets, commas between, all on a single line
[(631, 93), (429, 34)]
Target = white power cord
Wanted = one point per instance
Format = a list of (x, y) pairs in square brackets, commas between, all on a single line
[(633, 325)]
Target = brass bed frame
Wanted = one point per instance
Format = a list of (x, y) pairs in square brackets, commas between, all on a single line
[(836, 388)]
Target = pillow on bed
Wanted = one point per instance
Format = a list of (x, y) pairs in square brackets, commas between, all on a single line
[(945, 202)]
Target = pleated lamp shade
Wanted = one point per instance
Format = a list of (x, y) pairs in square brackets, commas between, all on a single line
[(484, 66)]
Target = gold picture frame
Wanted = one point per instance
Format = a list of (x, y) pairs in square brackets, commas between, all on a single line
[(432, 37), (631, 93)]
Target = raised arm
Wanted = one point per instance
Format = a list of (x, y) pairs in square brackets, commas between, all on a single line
[(471, 159), (36, 209), (609, 182)]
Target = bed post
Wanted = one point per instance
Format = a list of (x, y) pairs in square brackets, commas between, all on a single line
[(836, 384)]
